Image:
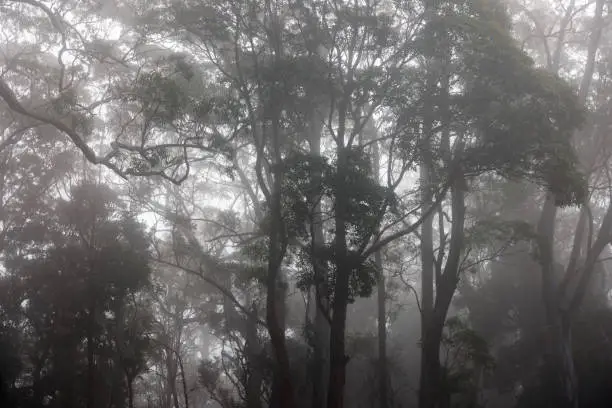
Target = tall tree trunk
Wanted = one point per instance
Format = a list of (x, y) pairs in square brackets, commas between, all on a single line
[(254, 381), (183, 380), (130, 391), (559, 376), (428, 372), (172, 374), (338, 358), (283, 385), (118, 398), (320, 372), (383, 375), (91, 369), (431, 390), (277, 383)]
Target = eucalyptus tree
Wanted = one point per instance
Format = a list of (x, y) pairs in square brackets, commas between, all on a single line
[(485, 109), (267, 66), (293, 85), (563, 296)]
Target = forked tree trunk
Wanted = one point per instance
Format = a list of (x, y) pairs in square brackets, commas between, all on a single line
[(431, 386)]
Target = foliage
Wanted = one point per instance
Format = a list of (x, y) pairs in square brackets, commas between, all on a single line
[(80, 290)]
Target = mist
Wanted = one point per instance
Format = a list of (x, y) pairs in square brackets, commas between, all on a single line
[(305, 204)]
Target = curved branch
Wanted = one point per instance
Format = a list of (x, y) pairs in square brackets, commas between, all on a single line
[(224, 291), (9, 97)]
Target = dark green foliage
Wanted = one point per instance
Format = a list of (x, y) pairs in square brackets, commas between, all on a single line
[(515, 120), (363, 274), (305, 182), (486, 232), (69, 299)]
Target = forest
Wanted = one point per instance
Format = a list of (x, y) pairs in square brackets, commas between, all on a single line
[(305, 203)]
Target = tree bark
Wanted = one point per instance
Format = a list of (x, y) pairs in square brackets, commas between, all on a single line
[(320, 372), (338, 358), (283, 386), (183, 380), (383, 375), (254, 381), (429, 372), (130, 390), (430, 383), (117, 381), (560, 374), (277, 383), (91, 369)]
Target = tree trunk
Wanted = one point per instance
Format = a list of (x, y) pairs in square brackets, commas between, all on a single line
[(254, 380), (172, 372), (91, 369), (183, 380), (429, 384), (130, 390), (320, 372), (118, 398), (383, 375), (338, 358), (560, 375), (278, 379), (429, 370), (431, 388), (283, 387)]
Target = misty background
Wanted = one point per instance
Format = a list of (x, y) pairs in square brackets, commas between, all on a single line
[(305, 203)]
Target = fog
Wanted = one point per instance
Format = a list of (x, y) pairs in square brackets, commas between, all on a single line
[(305, 204)]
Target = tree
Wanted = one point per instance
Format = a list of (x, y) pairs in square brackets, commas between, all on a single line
[(564, 297), (81, 290), (489, 137)]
